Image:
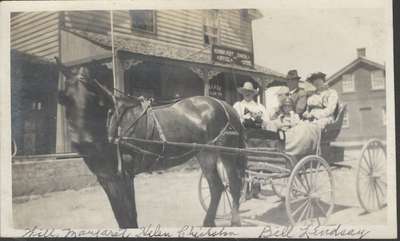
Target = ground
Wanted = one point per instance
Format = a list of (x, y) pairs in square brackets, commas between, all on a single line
[(171, 200)]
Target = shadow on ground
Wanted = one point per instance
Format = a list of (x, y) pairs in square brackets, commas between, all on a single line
[(278, 214)]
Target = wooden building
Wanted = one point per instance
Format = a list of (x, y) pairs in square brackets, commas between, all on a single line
[(361, 86), (163, 54)]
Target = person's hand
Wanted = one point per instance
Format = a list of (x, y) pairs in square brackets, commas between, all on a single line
[(307, 115), (247, 116)]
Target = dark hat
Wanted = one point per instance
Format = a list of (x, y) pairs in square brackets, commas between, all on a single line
[(317, 75), (292, 74)]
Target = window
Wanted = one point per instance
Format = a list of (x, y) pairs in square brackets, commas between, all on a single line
[(211, 27), (346, 122), (377, 80), (348, 83), (143, 20), (36, 105), (384, 115)]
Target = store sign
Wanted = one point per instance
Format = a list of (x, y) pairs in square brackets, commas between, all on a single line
[(228, 55)]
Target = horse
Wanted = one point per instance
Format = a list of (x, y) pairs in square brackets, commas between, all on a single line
[(96, 119)]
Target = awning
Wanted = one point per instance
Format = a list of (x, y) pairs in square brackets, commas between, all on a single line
[(150, 50)]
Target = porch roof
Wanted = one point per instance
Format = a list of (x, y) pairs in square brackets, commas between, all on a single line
[(151, 48)]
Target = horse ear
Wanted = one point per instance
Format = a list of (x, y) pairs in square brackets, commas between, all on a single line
[(62, 68)]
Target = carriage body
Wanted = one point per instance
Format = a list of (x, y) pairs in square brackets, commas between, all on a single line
[(268, 164)]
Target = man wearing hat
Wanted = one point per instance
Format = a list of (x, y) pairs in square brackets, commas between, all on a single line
[(251, 113), (321, 105), (297, 94)]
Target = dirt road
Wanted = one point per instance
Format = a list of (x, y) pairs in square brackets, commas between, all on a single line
[(171, 199)]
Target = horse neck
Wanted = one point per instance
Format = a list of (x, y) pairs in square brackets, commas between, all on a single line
[(86, 117)]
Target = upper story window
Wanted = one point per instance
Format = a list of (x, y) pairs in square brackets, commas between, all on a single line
[(377, 80), (143, 20), (348, 83), (346, 121), (211, 26)]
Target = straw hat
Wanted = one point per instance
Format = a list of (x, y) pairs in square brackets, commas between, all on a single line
[(247, 88)]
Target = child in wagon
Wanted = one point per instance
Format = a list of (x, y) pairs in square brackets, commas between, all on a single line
[(286, 117)]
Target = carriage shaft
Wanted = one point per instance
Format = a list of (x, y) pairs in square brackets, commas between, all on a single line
[(269, 156)]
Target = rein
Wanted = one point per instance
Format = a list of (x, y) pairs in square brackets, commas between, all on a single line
[(129, 142)]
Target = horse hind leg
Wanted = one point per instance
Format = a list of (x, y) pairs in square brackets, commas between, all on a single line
[(235, 186), (208, 164)]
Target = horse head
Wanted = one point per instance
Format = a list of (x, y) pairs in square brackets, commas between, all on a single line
[(86, 104)]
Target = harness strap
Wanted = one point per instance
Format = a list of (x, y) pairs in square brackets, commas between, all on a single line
[(158, 126), (227, 125)]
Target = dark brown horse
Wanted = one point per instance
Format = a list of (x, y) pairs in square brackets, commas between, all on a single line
[(193, 120)]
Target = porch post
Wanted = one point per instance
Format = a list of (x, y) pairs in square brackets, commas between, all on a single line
[(120, 74), (63, 143)]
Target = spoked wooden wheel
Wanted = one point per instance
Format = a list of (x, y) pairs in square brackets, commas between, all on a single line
[(371, 176), (310, 192), (225, 203)]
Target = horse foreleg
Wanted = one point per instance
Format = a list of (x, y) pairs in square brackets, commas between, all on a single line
[(120, 191), (208, 164)]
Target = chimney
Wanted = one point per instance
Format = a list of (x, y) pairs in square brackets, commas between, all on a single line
[(361, 52)]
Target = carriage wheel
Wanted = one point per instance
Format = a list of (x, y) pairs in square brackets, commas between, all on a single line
[(371, 176), (310, 192), (225, 203)]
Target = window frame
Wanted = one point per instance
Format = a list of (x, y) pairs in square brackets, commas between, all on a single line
[(142, 31), (217, 27), (353, 84), (346, 120), (374, 87)]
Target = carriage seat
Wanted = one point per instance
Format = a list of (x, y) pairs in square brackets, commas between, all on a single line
[(332, 130)]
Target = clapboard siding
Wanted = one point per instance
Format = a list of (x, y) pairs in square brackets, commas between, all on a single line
[(181, 27), (22, 18), (36, 33), (20, 31), (235, 30)]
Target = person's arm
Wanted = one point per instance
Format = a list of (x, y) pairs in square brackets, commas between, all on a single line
[(238, 109), (329, 106)]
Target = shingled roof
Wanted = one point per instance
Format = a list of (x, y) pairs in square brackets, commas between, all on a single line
[(360, 60)]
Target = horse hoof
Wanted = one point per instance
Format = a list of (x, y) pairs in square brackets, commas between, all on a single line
[(236, 224), (209, 225)]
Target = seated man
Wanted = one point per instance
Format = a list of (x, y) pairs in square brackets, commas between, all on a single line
[(251, 113), (322, 104), (254, 118)]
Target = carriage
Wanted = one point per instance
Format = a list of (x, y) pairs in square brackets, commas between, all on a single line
[(307, 186)]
